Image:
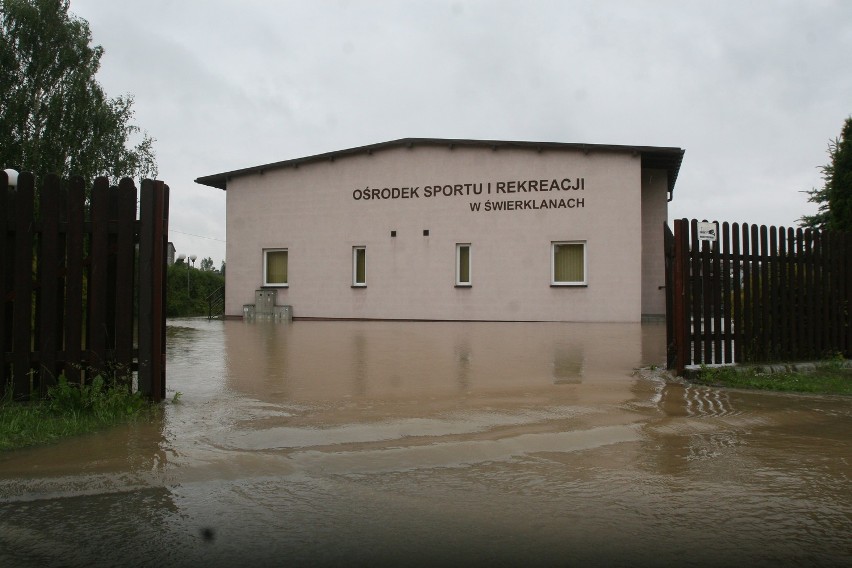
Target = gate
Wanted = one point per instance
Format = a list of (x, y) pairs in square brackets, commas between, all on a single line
[(756, 294), (82, 283)]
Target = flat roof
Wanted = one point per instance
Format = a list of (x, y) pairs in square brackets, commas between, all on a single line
[(653, 157)]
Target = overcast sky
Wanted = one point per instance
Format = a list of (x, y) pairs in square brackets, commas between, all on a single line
[(752, 90)]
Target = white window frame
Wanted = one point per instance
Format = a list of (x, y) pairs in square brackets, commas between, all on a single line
[(266, 282), (585, 280), (469, 281), (355, 283)]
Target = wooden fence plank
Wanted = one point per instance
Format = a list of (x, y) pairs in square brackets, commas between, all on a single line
[(825, 289), (791, 298), (830, 297), (819, 250), (847, 296), (48, 276), (161, 262), (75, 257), (6, 272), (807, 297), (846, 264), (668, 256), (756, 312), (838, 294), (716, 296), (737, 272), (112, 275), (146, 288), (771, 285), (838, 291), (680, 301), (785, 288), (152, 216), (814, 337), (725, 313), (98, 281), (125, 218), (695, 290), (801, 351), (706, 320), (764, 304), (23, 303), (61, 277), (793, 290), (748, 303)]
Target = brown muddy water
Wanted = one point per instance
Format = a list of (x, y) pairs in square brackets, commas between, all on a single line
[(438, 444)]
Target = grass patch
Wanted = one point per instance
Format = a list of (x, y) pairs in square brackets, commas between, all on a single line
[(829, 378), (68, 410)]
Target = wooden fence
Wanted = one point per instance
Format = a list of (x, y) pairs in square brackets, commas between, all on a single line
[(757, 294), (82, 283)]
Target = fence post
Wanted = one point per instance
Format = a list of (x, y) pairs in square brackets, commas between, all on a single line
[(48, 275), (152, 218), (692, 279), (737, 314), (706, 286), (5, 273), (98, 282), (678, 297), (847, 284), (124, 212), (725, 309), (75, 237), (23, 304)]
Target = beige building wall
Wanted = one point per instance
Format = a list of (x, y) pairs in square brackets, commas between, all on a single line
[(654, 216), (311, 211)]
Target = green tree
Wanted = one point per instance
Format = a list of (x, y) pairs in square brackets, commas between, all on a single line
[(835, 197), (188, 289), (54, 116), (206, 264)]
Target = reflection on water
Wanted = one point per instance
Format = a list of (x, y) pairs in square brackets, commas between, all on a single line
[(330, 360), (391, 443)]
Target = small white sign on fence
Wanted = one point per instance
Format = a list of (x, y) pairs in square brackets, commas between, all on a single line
[(707, 231)]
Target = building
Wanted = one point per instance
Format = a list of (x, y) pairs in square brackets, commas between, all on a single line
[(435, 229), (170, 253)]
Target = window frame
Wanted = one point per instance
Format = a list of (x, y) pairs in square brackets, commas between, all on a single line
[(355, 251), (459, 282), (266, 282), (560, 284)]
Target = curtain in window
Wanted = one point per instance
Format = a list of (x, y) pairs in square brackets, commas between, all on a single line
[(360, 266), (276, 267), (464, 264), (568, 263)]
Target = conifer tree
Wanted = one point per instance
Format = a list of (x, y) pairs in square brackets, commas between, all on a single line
[(835, 197)]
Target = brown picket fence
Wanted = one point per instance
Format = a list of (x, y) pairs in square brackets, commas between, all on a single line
[(82, 283), (757, 294)]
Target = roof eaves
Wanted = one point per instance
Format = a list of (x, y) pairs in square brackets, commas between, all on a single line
[(652, 156)]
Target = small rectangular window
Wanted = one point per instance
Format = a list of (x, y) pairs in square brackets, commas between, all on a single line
[(568, 267), (463, 264), (275, 267), (359, 266)]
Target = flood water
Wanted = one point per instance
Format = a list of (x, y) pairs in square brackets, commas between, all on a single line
[(438, 444)]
